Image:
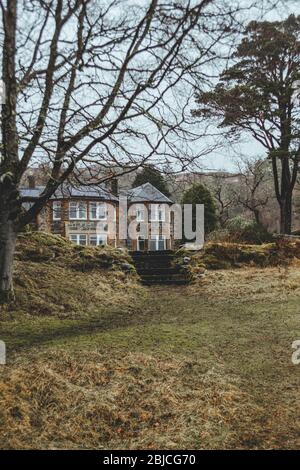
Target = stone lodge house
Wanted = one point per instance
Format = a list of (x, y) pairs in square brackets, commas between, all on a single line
[(92, 215)]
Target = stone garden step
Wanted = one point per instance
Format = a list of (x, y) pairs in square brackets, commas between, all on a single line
[(156, 270), (157, 267)]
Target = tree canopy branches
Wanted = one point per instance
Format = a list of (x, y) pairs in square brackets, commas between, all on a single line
[(259, 94)]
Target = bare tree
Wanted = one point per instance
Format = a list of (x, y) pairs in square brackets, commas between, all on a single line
[(224, 195), (98, 83), (255, 189)]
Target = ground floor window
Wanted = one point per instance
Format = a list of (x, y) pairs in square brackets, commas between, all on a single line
[(157, 243), (98, 239), (94, 239), (78, 238)]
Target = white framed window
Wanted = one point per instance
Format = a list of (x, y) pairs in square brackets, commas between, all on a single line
[(98, 239), (57, 210), (158, 213), (78, 238), (140, 213), (77, 210), (157, 243), (98, 211)]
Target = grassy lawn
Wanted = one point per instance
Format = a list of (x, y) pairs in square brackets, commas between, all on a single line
[(203, 366)]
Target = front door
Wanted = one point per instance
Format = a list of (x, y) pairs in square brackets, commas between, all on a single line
[(140, 244)]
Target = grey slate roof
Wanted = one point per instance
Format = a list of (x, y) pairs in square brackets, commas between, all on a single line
[(144, 193), (67, 191), (147, 192), (92, 192)]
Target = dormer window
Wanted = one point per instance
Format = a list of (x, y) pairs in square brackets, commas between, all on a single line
[(77, 211), (98, 211)]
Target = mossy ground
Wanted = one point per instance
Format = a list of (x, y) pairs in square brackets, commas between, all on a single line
[(226, 255), (202, 366), (53, 277)]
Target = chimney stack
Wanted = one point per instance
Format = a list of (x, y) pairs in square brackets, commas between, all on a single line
[(114, 186), (31, 181)]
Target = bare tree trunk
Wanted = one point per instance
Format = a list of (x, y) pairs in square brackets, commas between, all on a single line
[(286, 215), (8, 237), (257, 216), (9, 154)]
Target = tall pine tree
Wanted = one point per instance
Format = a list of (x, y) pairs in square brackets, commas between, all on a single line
[(259, 94)]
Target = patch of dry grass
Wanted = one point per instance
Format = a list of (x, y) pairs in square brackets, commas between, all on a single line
[(272, 285), (137, 401), (201, 366), (225, 255), (54, 277)]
